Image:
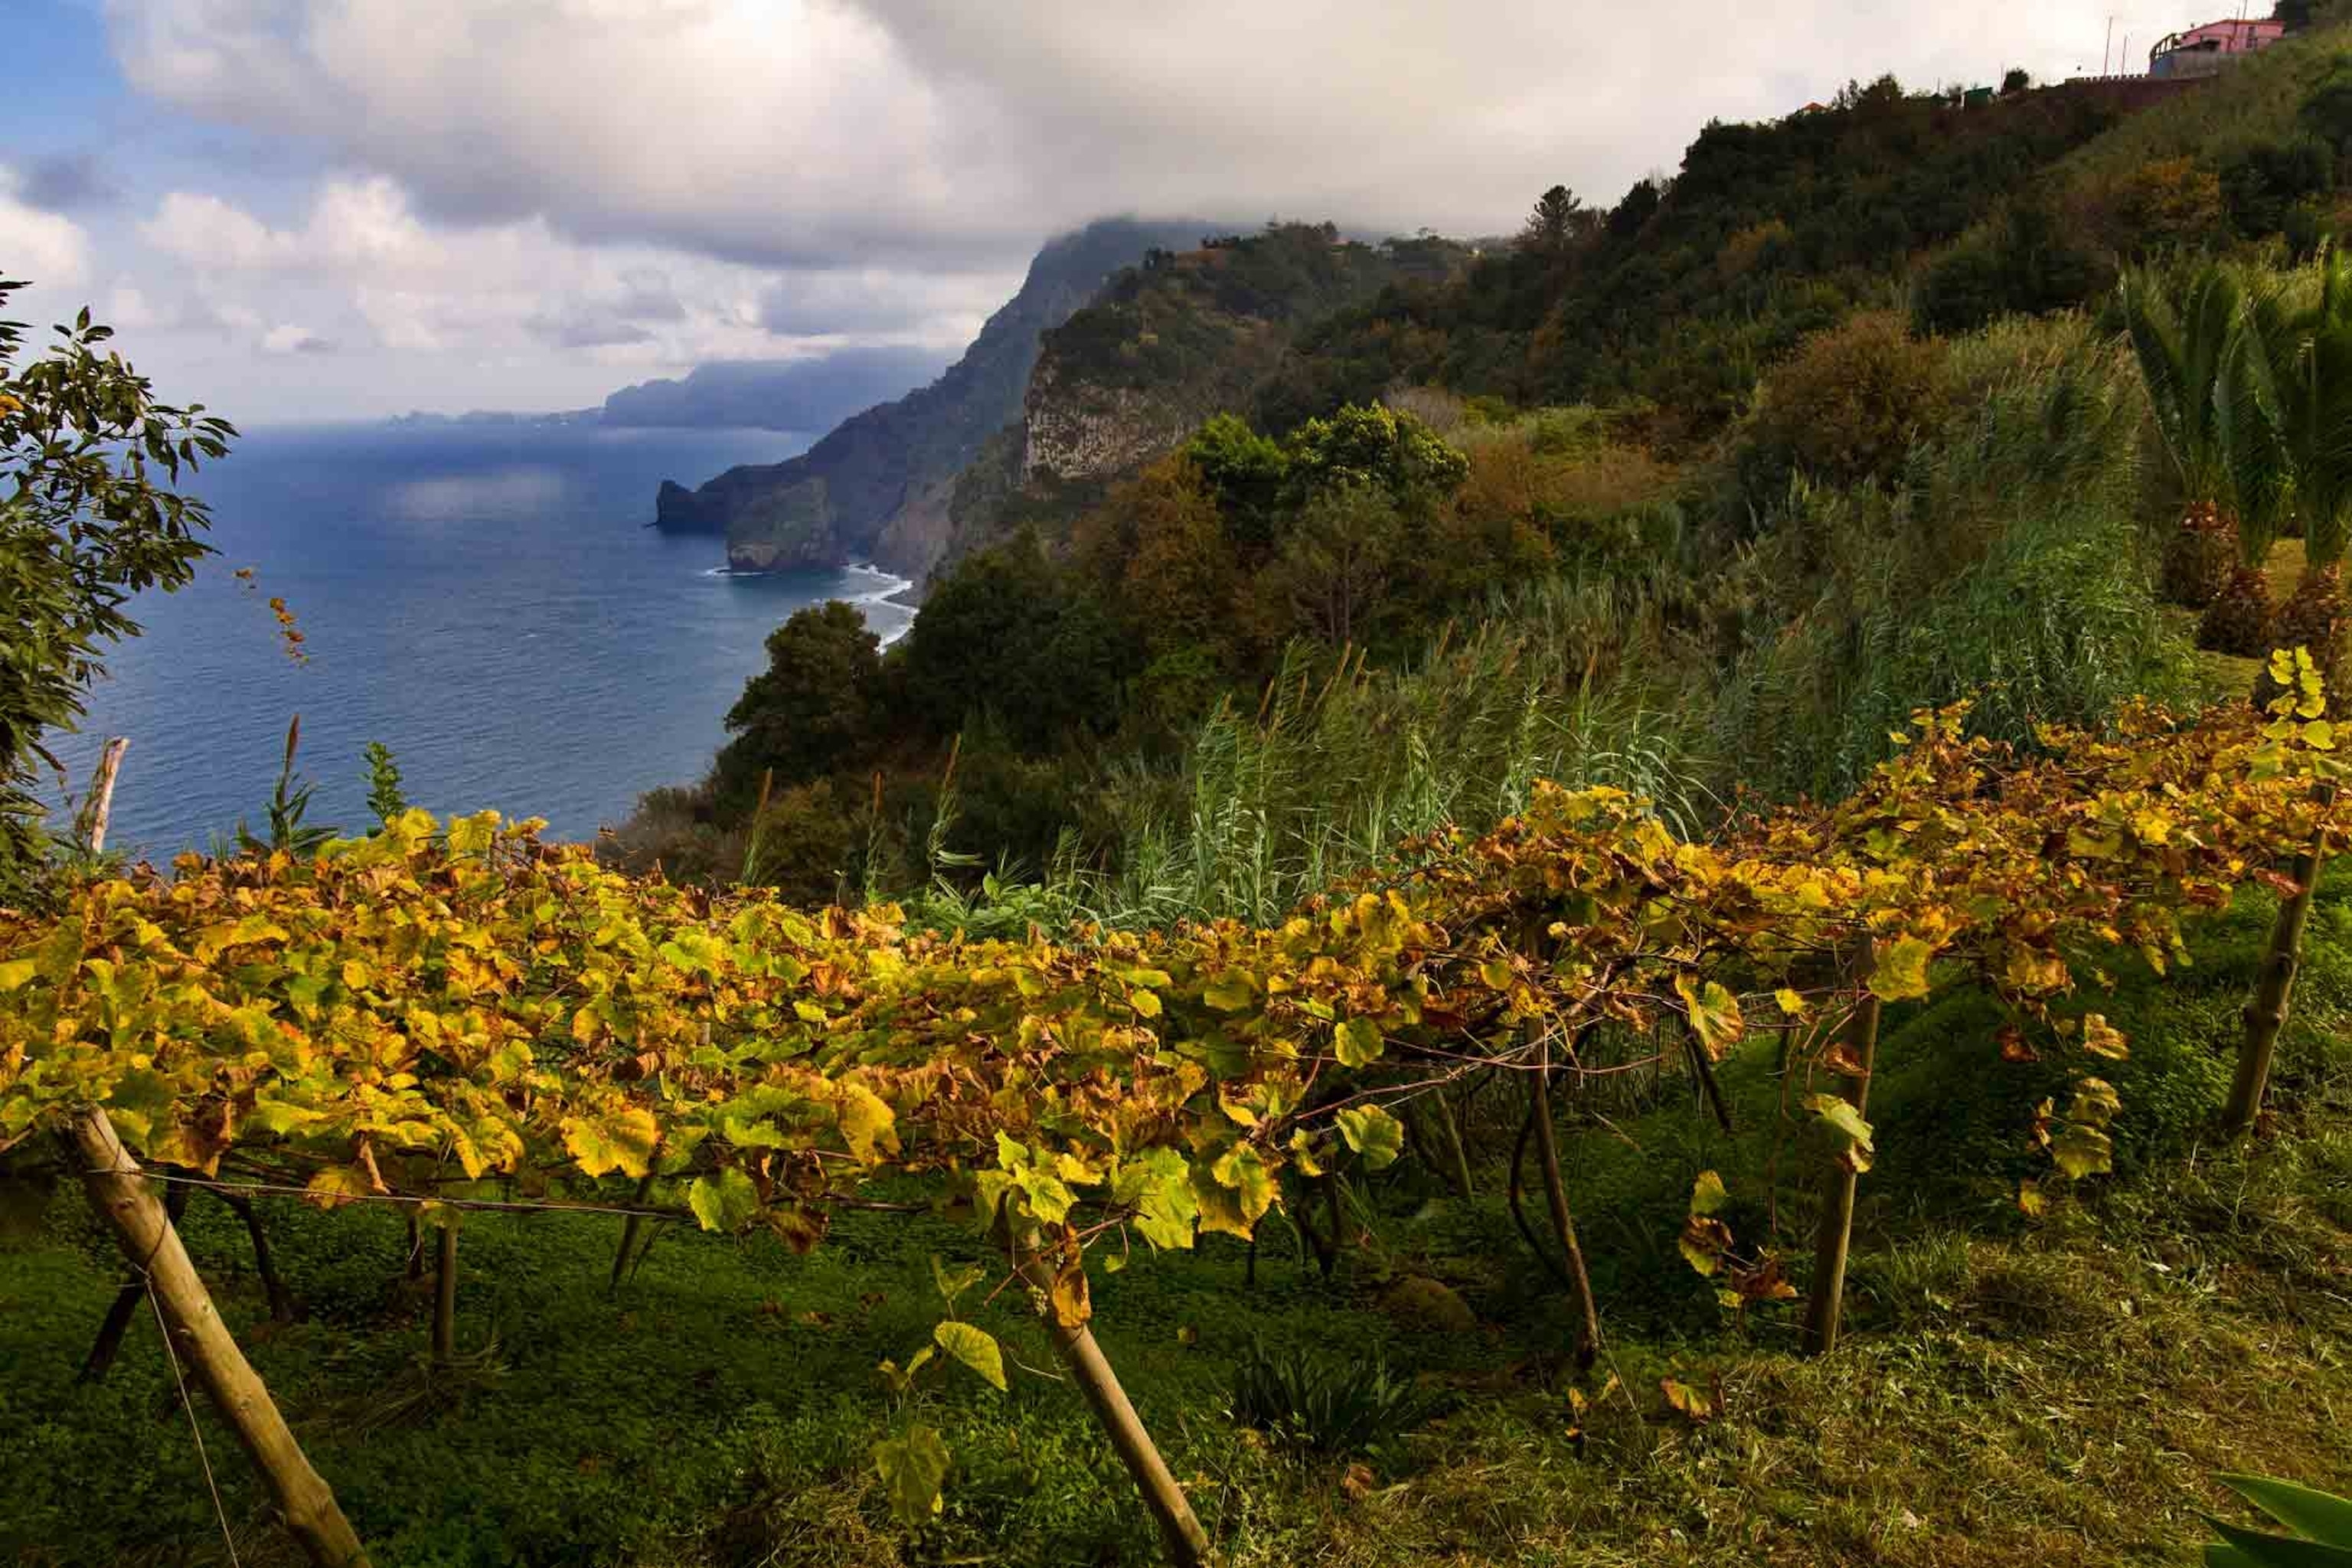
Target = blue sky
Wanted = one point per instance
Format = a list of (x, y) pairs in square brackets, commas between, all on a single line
[(313, 208)]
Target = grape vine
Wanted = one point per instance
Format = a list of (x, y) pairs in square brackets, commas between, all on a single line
[(454, 1014)]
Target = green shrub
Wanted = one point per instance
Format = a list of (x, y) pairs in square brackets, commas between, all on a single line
[(2026, 264), (1332, 1405), (1847, 408)]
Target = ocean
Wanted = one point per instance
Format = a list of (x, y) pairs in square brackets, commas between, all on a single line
[(487, 601)]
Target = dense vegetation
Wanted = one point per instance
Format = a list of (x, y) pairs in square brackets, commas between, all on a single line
[(1792, 488), (88, 519), (1611, 816)]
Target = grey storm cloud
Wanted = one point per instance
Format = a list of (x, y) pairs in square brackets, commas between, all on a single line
[(64, 182), (648, 296), (584, 330), (939, 135)]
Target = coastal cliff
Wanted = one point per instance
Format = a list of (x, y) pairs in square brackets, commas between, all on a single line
[(878, 486), (1163, 347)]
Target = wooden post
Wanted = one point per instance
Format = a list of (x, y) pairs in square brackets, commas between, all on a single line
[(118, 1191), (1836, 1234), (1563, 1222), (99, 810), (2274, 990), (1188, 1543), (444, 1295)]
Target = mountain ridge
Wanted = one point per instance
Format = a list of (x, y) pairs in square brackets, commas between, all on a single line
[(876, 487)]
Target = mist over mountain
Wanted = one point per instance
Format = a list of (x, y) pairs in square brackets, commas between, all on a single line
[(813, 393)]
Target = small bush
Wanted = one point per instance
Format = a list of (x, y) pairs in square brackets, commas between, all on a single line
[(1846, 408)]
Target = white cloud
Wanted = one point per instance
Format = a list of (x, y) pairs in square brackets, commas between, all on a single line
[(525, 202), (374, 277), (210, 234), (768, 130), (42, 247), (904, 132)]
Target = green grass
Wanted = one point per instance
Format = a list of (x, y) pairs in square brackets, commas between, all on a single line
[(2009, 1392)]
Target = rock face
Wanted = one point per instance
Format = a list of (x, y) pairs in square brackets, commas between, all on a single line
[(1086, 432), (1161, 349), (876, 488)]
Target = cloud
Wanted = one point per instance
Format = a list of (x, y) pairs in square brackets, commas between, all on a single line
[(289, 339), (65, 182), (529, 201), (584, 330), (211, 234), (871, 299), (43, 247), (407, 285), (932, 134)]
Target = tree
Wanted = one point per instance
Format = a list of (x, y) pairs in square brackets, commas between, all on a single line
[(1176, 579), (2326, 109), (2015, 80), (1335, 562), (1244, 471), (1373, 446), (2311, 401), (1627, 219), (87, 519), (1557, 217), (2183, 340), (1007, 632), (2028, 264), (1845, 407), (813, 710)]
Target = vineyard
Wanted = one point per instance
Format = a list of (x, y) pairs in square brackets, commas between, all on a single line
[(453, 1019)]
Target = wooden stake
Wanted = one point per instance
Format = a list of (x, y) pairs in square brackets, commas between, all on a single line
[(1188, 1543), (119, 1192), (445, 1296), (1835, 1238), (1563, 1222), (99, 810), (2274, 990)]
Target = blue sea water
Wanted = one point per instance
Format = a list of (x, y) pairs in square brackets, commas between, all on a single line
[(485, 601)]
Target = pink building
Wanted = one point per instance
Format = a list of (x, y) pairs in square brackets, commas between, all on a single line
[(2201, 51)]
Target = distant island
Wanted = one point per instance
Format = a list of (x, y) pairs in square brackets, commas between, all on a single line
[(810, 394)]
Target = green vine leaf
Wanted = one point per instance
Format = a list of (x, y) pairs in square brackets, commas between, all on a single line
[(976, 1348), (1372, 1132), (1846, 1125), (724, 1201), (913, 1465)]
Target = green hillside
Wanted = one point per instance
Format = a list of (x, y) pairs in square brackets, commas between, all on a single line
[(1760, 426)]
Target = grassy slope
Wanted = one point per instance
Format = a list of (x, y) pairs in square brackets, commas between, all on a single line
[(2056, 1392), (2255, 100)]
